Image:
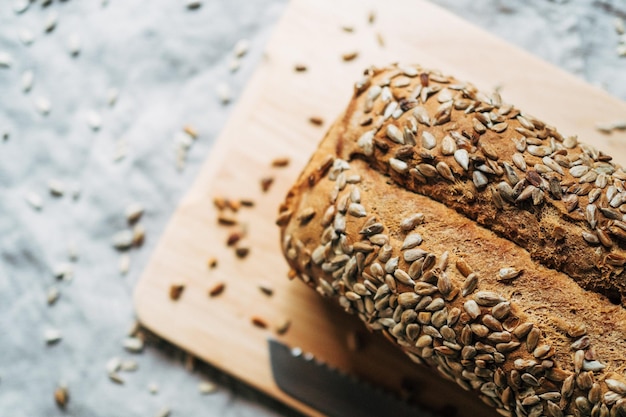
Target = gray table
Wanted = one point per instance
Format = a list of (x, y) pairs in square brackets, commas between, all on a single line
[(166, 62)]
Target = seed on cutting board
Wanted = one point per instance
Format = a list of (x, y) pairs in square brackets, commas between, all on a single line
[(212, 262), (51, 22), (604, 127), (223, 92), (43, 105), (73, 44), (300, 68), (28, 77), (349, 56), (280, 162), (124, 263), (34, 200), (259, 322), (52, 295), (266, 288), (246, 202), (316, 120), (205, 388), (226, 219), (133, 344), (233, 238), (282, 326), (242, 252), (5, 60), (371, 17), (52, 336), (176, 290), (61, 396), (266, 183), (216, 289), (380, 39), (26, 36), (122, 239), (193, 4)]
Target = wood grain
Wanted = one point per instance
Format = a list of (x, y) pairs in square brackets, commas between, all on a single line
[(271, 120)]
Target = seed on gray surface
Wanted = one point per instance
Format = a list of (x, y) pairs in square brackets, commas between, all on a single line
[(164, 412), (73, 44), (20, 6), (5, 60), (412, 240), (395, 134), (124, 263), (122, 239), (241, 48), (51, 22), (488, 298), (133, 344), (398, 165), (63, 271), (94, 120), (469, 285), (223, 92), (28, 77), (34, 200), (43, 105), (52, 295), (115, 377), (52, 336), (133, 212), (206, 388), (113, 365), (26, 37), (61, 396), (508, 274), (462, 158), (111, 96)]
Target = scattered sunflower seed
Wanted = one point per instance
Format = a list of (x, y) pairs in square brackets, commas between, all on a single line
[(164, 412), (193, 4), (43, 105), (234, 65), (316, 120), (153, 388), (224, 93), (242, 252), (380, 39), (217, 289), (134, 212), (111, 96), (139, 235), (73, 44), (129, 365), (212, 262), (124, 263), (241, 48), (123, 239), (300, 67), (5, 60), (28, 77), (53, 295), (176, 290), (618, 24), (52, 336), (371, 17), (94, 120), (205, 388), (26, 36), (115, 377), (349, 56), (133, 344), (51, 22), (507, 274), (280, 162), (63, 271), (113, 365), (61, 396), (34, 200), (259, 322), (282, 326), (56, 187), (266, 288), (20, 6)]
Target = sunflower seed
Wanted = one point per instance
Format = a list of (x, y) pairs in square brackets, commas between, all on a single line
[(395, 134), (616, 386), (356, 210), (26, 37), (206, 388), (421, 115), (164, 412), (52, 336), (412, 255), (469, 285), (412, 240), (480, 180), (507, 274), (488, 298), (43, 105), (34, 200), (27, 80), (366, 142), (122, 239), (61, 396), (472, 308), (73, 44), (428, 140), (223, 92), (124, 263), (349, 56), (448, 146), (427, 170), (398, 165), (50, 22), (408, 299), (593, 366), (462, 158), (241, 48), (409, 223), (578, 171)]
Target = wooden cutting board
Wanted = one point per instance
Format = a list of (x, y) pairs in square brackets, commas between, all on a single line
[(271, 120)]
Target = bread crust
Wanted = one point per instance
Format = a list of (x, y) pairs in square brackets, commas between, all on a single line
[(494, 285)]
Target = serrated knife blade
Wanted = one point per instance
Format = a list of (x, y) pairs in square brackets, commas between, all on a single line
[(329, 391)]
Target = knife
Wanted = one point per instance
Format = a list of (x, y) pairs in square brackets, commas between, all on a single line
[(330, 391)]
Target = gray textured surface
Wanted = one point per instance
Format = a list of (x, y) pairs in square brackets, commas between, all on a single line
[(166, 61)]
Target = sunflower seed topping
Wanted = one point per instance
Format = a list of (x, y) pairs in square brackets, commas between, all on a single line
[(395, 134)]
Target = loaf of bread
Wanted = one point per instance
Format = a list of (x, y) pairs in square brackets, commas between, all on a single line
[(482, 241)]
